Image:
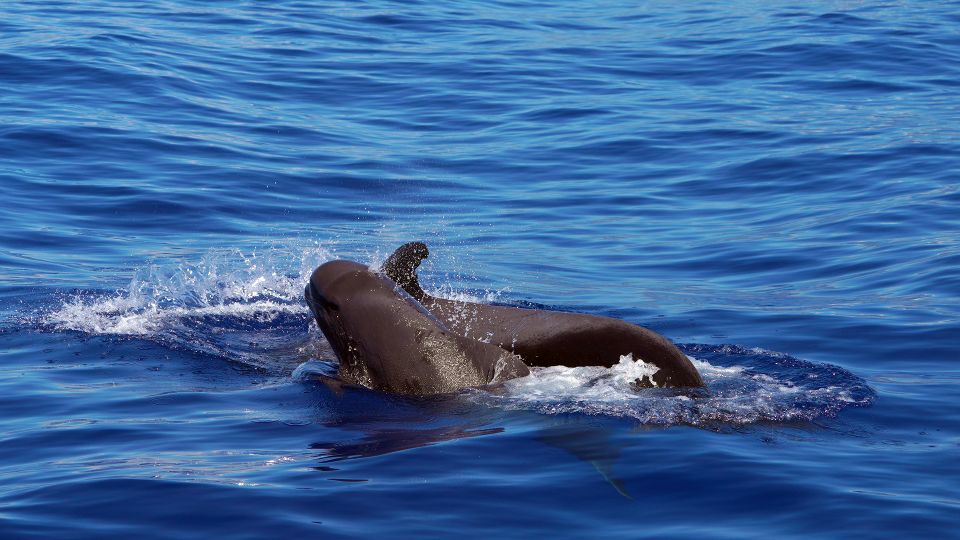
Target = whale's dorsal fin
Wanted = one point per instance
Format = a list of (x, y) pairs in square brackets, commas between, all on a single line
[(401, 267)]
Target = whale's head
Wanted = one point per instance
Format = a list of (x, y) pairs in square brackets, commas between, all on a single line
[(329, 291)]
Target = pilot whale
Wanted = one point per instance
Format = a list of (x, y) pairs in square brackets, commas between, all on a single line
[(390, 335), (546, 338), (386, 340)]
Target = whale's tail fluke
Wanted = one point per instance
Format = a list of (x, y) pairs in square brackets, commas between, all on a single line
[(401, 267)]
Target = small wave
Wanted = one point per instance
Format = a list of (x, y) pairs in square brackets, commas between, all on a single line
[(125, 316), (246, 307), (224, 282), (743, 386)]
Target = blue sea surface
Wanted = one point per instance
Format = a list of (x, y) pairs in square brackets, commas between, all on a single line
[(773, 186)]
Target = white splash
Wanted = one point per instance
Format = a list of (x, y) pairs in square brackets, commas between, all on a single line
[(734, 394), (447, 292), (593, 383), (225, 283)]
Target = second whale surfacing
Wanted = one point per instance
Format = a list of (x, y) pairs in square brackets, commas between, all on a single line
[(388, 334)]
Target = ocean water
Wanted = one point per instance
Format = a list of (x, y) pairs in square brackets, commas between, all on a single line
[(773, 186)]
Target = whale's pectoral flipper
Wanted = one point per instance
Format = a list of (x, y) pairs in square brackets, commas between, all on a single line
[(402, 266)]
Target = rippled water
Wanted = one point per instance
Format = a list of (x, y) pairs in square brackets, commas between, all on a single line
[(772, 186)]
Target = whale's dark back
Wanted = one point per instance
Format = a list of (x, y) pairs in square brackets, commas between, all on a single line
[(542, 337)]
